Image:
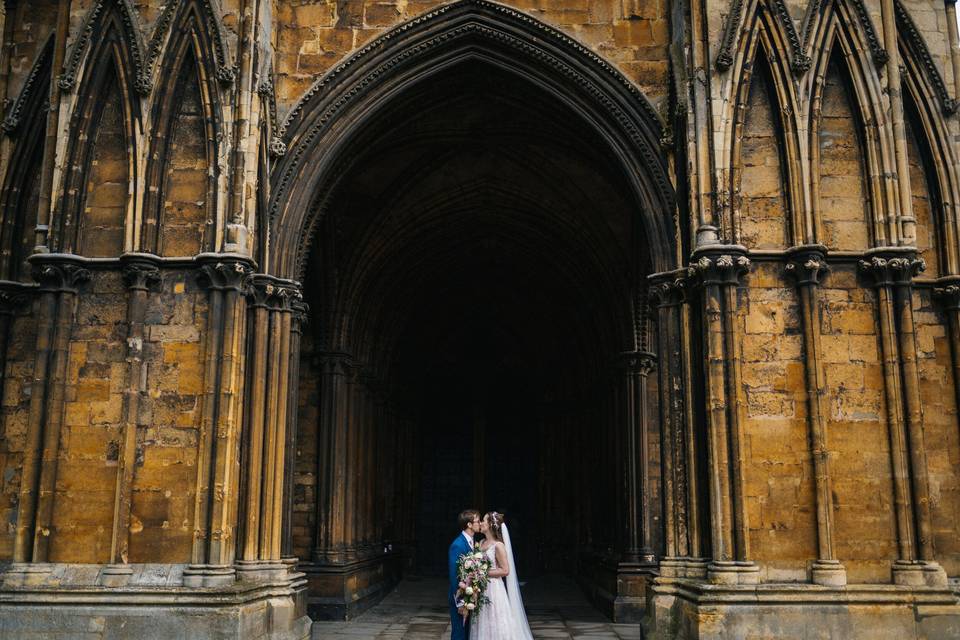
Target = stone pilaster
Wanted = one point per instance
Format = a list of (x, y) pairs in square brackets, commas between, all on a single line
[(947, 293), (140, 274), (218, 468), (719, 269), (298, 318), (637, 367), (266, 434), (891, 271), (806, 266), (59, 277)]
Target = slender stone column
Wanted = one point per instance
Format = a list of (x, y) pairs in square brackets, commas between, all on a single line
[(271, 303), (332, 459), (806, 266), (667, 296), (891, 271), (298, 317), (637, 367), (140, 273), (224, 276), (59, 277), (719, 269)]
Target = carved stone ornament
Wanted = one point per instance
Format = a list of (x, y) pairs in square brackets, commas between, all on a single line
[(141, 275), (54, 272), (641, 362), (947, 291), (668, 289), (720, 267), (31, 85), (224, 274), (273, 293), (807, 264), (14, 296), (892, 267)]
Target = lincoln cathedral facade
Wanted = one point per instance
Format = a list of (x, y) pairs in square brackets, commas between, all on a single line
[(286, 284)]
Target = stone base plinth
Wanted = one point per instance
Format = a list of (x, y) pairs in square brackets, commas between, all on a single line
[(342, 591), (685, 609), (618, 589), (73, 601)]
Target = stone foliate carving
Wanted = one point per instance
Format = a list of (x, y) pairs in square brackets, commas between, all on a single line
[(59, 275), (141, 276), (947, 292), (807, 265), (14, 296), (642, 362), (892, 267), (720, 267), (668, 289), (224, 274)]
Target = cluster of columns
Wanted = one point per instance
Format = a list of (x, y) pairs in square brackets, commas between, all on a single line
[(248, 434), (365, 466), (708, 289)]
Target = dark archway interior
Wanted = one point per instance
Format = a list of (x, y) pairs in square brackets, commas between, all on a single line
[(474, 263)]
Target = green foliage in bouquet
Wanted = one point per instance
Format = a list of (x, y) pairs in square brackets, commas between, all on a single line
[(473, 573)]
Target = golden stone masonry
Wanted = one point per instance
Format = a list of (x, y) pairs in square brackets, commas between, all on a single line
[(286, 284)]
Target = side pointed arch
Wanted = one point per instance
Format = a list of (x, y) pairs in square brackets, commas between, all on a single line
[(101, 171), (208, 27), (938, 159), (37, 83), (842, 70), (765, 90), (923, 63), (741, 22), (318, 129), (818, 15), (186, 120), (19, 200), (120, 17)]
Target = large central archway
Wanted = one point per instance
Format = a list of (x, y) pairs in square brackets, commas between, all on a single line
[(472, 203)]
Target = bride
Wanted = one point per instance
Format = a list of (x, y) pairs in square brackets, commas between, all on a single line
[(503, 617)]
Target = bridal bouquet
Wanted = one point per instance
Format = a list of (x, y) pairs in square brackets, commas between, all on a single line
[(473, 572)]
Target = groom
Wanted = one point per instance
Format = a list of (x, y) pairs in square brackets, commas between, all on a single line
[(469, 522)]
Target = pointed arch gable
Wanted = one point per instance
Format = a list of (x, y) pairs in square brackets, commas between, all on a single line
[(109, 67), (738, 27), (37, 83), (924, 64), (209, 30), (26, 119), (189, 47), (782, 104), (319, 127), (817, 17), (102, 17)]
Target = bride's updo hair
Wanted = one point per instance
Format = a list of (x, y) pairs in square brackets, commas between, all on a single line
[(496, 523)]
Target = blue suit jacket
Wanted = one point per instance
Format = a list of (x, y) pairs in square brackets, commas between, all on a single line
[(458, 548)]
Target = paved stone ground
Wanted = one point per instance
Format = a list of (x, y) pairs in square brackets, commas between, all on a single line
[(415, 611)]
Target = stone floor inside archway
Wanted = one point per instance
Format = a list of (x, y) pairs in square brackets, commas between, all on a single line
[(556, 607)]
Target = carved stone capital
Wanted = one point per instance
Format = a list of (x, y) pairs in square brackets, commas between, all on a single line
[(224, 273), (892, 266), (668, 289), (807, 264), (336, 363), (301, 313), (56, 272), (640, 362), (947, 291), (140, 274), (273, 293), (720, 265)]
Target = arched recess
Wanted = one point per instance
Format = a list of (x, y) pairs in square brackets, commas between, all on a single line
[(21, 189), (763, 143), (181, 200), (320, 128), (101, 167), (933, 160), (850, 154)]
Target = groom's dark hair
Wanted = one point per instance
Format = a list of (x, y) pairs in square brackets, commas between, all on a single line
[(466, 517)]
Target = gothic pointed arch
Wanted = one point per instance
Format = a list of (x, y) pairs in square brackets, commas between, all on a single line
[(843, 144), (204, 17), (27, 119), (37, 83), (320, 126), (108, 16), (818, 14), (101, 167), (764, 183), (923, 62), (186, 125), (741, 22)]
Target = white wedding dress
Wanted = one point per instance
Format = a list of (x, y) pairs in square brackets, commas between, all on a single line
[(503, 617)]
